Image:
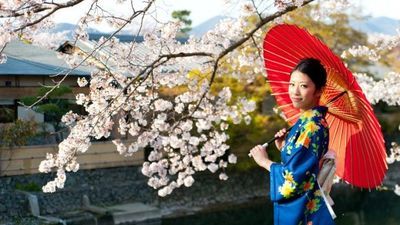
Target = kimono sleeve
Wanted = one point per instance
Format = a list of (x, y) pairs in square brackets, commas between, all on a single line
[(290, 179)]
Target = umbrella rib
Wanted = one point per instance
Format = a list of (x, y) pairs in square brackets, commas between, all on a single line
[(357, 146), (269, 70), (292, 117), (293, 110), (279, 93), (285, 105), (364, 166), (292, 53), (348, 151), (315, 43), (276, 39), (343, 145), (335, 138), (370, 143), (331, 57), (297, 44), (278, 82), (370, 158), (291, 113), (277, 62), (365, 149), (376, 145), (266, 51)]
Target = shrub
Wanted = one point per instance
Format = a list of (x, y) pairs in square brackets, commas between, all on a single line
[(31, 187), (17, 133)]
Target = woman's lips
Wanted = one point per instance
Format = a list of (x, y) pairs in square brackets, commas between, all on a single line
[(296, 99)]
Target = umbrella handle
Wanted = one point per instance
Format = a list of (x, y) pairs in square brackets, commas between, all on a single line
[(266, 144)]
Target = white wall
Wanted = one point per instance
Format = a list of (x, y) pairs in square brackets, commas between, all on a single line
[(29, 114)]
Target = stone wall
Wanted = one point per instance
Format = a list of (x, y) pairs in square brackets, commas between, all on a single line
[(106, 187)]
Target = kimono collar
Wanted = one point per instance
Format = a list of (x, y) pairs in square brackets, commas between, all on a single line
[(316, 111)]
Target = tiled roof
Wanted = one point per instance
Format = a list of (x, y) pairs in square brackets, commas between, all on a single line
[(27, 60)]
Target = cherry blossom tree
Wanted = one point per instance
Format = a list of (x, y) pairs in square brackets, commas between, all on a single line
[(187, 133)]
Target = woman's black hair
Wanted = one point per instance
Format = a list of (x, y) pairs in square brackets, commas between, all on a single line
[(313, 69)]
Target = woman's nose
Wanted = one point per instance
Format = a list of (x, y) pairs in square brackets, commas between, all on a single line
[(294, 90)]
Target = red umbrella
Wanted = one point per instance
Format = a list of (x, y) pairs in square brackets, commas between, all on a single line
[(355, 134)]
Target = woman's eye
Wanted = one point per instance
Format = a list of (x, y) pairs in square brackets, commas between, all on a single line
[(303, 86), (291, 84)]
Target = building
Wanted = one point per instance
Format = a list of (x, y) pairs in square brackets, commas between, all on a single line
[(28, 68)]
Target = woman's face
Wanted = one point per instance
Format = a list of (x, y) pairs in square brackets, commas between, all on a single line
[(302, 91)]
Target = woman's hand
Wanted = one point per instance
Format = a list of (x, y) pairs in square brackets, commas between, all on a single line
[(280, 141), (260, 155)]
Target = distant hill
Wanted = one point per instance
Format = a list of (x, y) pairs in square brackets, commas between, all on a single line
[(94, 34), (370, 26), (209, 24), (60, 27), (373, 25)]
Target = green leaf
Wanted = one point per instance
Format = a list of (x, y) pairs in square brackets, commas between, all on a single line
[(56, 93), (29, 100)]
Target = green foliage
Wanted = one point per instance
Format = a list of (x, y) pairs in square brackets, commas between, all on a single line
[(383, 107), (256, 91), (391, 58), (389, 118), (49, 107), (54, 106), (56, 93), (54, 111), (28, 100), (30, 187), (17, 133), (243, 137), (183, 16), (262, 126), (6, 114), (335, 30)]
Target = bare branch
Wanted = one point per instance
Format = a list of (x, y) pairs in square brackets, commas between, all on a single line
[(258, 48), (3, 47), (258, 13), (37, 8), (32, 9)]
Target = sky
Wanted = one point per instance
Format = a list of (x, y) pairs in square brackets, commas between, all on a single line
[(202, 10), (388, 8)]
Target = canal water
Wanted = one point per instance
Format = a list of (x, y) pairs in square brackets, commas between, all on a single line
[(353, 207)]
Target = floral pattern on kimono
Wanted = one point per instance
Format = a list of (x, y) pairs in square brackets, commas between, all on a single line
[(294, 189)]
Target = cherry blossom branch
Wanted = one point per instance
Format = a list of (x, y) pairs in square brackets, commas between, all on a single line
[(90, 55), (40, 8), (37, 8), (181, 145)]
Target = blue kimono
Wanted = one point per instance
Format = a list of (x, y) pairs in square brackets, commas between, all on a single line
[(295, 192)]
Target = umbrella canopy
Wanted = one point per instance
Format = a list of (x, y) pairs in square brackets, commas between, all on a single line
[(355, 134)]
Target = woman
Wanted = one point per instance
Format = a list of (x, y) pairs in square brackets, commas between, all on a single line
[(293, 182)]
